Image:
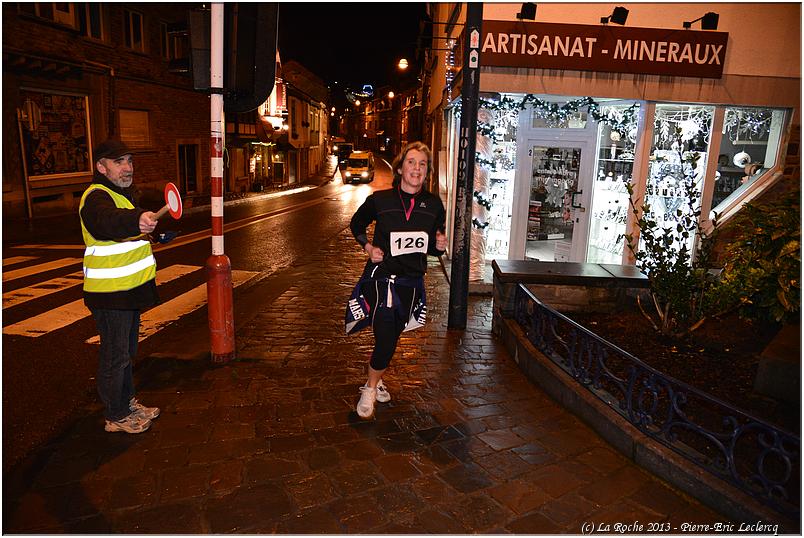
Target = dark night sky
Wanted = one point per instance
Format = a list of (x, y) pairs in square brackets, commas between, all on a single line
[(351, 43)]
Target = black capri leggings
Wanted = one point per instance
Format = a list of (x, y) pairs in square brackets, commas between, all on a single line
[(386, 324)]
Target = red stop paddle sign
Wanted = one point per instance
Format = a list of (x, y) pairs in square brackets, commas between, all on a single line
[(172, 202)]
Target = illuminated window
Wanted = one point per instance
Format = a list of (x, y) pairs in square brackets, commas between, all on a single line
[(135, 127), (749, 148)]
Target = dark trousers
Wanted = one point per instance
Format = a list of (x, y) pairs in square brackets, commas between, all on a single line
[(119, 336), (387, 324)]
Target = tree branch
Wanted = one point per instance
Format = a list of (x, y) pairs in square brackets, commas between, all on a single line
[(647, 317)]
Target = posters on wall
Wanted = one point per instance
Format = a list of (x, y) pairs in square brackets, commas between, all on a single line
[(55, 135)]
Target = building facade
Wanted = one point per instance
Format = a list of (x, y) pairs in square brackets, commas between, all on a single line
[(574, 108), (308, 122), (74, 74)]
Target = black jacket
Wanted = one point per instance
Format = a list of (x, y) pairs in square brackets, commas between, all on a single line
[(106, 222), (388, 209)]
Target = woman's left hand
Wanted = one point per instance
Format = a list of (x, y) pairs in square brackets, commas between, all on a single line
[(441, 241)]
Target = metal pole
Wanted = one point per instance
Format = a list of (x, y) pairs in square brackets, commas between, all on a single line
[(219, 269), (470, 84)]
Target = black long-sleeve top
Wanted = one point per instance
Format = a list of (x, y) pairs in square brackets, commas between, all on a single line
[(393, 212)]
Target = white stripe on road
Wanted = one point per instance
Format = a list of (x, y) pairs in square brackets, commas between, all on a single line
[(40, 289), (71, 312), (166, 313), (41, 268), (51, 247), (17, 259)]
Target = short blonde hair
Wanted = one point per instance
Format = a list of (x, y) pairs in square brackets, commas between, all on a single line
[(397, 164)]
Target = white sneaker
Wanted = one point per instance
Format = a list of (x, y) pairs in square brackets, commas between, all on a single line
[(365, 407), (383, 395), (131, 424), (149, 413)]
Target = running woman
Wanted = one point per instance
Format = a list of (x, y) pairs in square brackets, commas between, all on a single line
[(390, 295)]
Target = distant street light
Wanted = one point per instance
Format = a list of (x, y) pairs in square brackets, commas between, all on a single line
[(391, 95), (333, 109), (357, 102), (403, 64)]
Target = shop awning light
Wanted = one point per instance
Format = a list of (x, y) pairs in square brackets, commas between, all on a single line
[(618, 16), (708, 21), (527, 12)]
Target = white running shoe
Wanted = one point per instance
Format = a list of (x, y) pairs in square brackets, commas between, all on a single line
[(365, 407), (383, 395), (149, 413), (131, 424)]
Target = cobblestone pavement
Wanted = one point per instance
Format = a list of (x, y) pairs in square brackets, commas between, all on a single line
[(270, 443)]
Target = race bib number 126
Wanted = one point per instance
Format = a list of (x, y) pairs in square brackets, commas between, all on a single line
[(408, 243)]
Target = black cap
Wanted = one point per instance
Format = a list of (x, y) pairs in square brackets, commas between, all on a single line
[(110, 149)]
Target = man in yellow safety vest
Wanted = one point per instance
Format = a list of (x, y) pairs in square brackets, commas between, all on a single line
[(119, 281)]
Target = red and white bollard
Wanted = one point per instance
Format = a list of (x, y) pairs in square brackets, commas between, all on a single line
[(219, 269)]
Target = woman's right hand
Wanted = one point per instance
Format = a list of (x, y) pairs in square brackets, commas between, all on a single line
[(376, 254)]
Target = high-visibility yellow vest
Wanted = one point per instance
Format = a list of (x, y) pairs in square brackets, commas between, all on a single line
[(115, 265)]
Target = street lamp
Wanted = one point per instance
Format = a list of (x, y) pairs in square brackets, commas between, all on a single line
[(391, 95), (403, 64)]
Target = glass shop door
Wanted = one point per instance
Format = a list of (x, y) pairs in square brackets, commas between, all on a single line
[(557, 219)]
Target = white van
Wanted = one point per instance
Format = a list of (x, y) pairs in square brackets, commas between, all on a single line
[(359, 167)]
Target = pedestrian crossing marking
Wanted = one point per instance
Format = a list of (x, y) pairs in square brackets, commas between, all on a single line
[(166, 313), (40, 289), (41, 268), (17, 259), (69, 313), (51, 247)]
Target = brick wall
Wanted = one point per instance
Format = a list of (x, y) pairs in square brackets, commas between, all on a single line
[(112, 77)]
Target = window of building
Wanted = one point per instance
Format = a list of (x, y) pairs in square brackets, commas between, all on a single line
[(173, 44), (135, 127), (578, 120), (90, 19), (132, 30), (680, 132), (55, 135), (294, 118), (188, 167), (614, 170), (749, 147), (60, 12)]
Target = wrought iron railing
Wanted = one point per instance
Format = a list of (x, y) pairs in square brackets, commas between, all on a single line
[(757, 457)]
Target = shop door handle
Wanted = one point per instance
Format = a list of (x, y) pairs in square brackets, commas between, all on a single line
[(572, 201)]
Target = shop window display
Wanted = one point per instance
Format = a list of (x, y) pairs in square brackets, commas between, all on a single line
[(681, 132), (749, 147), (614, 168), (500, 193), (55, 135)]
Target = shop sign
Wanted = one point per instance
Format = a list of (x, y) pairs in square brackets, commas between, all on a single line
[(649, 51)]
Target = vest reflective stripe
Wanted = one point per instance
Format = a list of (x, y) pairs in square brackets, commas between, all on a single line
[(103, 273), (115, 248), (111, 266)]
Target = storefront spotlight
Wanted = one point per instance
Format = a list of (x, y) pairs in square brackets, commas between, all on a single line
[(527, 12), (618, 16), (708, 21)]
